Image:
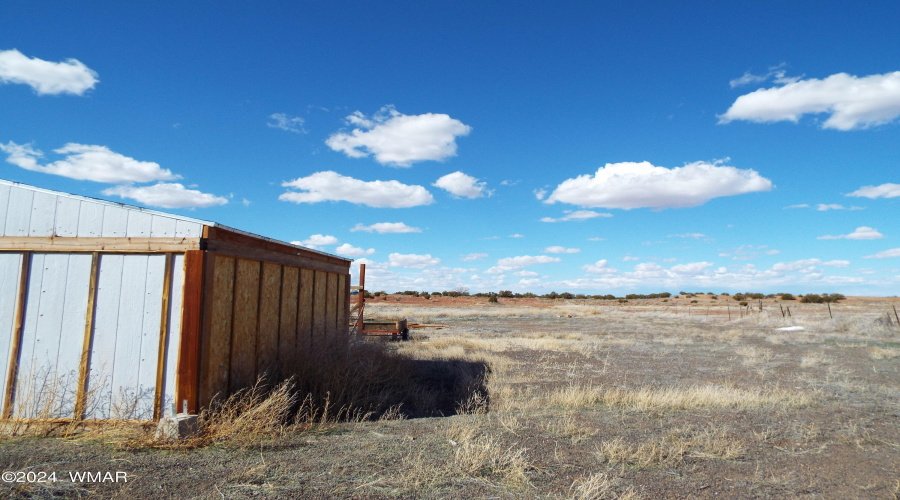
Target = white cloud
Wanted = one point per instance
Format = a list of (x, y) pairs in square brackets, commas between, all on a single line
[(885, 254), (517, 263), (474, 256), (526, 274), (883, 191), (596, 238), (400, 140), (413, 261), (517, 235), (331, 186), (386, 227), (823, 207), (540, 193), (634, 185), (861, 233), (695, 236), (166, 195), (87, 162), (577, 215), (777, 72), (288, 123), (45, 77), (690, 269), (837, 263), (600, 267), (801, 205), (352, 251), (460, 184), (852, 102), (630, 258), (317, 240), (559, 249)]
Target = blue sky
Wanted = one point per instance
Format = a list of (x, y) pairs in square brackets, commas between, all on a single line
[(528, 146)]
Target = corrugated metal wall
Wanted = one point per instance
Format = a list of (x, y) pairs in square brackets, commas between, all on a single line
[(35, 213), (125, 333)]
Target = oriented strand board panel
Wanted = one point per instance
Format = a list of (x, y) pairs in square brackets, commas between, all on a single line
[(244, 332), (287, 330), (269, 309), (173, 336), (305, 313), (331, 298), (52, 335), (216, 357), (343, 316), (10, 267), (319, 316)]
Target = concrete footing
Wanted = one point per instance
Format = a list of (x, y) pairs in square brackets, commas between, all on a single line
[(180, 426)]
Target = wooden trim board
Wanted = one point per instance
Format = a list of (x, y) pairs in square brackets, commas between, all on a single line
[(84, 366), (79, 244), (16, 347)]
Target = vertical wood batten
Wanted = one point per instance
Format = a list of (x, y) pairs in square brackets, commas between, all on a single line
[(84, 366), (16, 347), (188, 372), (244, 333), (163, 339)]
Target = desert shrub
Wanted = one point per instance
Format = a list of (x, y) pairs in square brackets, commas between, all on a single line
[(505, 293), (787, 296), (426, 295), (743, 303), (694, 301), (812, 298), (738, 296), (492, 298)]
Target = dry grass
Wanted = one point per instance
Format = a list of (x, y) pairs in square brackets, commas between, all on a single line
[(486, 457), (599, 486), (649, 399), (884, 352)]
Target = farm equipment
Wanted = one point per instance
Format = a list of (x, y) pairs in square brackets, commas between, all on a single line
[(395, 329)]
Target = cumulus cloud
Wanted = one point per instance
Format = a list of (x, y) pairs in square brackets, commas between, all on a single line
[(462, 185), (166, 195), (883, 191), (599, 267), (885, 254), (317, 240), (695, 236), (413, 261), (331, 186), (474, 256), (635, 185), (577, 215), (559, 249), (522, 261), (400, 140), (289, 123), (851, 102), (861, 233), (386, 227), (46, 77), (352, 251), (691, 269), (87, 162), (799, 205)]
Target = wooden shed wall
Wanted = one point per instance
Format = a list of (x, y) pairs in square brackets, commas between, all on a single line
[(266, 319)]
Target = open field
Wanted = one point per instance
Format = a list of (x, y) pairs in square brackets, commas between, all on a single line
[(559, 399)]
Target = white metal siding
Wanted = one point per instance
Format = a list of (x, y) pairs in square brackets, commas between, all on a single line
[(122, 381), (29, 212), (52, 335), (173, 337), (10, 267)]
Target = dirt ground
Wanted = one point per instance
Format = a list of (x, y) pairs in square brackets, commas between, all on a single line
[(578, 399)]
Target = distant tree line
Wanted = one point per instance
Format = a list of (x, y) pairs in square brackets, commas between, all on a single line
[(812, 298)]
